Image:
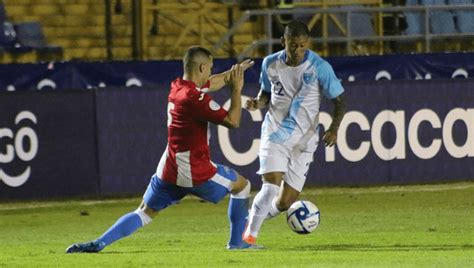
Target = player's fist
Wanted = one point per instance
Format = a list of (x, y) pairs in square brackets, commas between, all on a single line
[(252, 104)]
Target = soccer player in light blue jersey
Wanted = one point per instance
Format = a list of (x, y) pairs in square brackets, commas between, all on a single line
[(292, 82)]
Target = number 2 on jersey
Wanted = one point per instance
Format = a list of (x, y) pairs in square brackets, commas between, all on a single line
[(278, 89)]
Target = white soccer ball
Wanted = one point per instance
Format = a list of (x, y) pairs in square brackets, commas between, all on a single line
[(303, 217)]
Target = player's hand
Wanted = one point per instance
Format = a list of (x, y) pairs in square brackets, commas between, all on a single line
[(236, 78), (246, 64), (330, 137), (252, 104)]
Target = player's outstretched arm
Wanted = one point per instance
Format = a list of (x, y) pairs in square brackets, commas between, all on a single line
[(330, 136), (236, 83), (218, 80), (258, 102)]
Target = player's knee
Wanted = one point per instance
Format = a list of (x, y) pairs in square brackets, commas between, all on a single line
[(146, 214), (273, 178), (243, 192)]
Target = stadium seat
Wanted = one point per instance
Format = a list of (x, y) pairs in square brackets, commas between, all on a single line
[(441, 22), (30, 35), (415, 20), (7, 35), (361, 23), (465, 18), (7, 32)]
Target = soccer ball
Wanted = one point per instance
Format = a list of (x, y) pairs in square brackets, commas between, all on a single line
[(303, 217)]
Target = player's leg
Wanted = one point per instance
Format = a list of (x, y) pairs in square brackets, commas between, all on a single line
[(283, 200), (124, 226), (128, 224), (293, 182), (158, 196), (238, 211), (274, 160), (225, 181), (261, 205)]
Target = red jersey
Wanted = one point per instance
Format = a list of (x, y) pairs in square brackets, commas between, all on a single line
[(186, 161)]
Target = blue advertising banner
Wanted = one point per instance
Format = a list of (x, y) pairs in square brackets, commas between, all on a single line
[(109, 141), (393, 133), (47, 144), (132, 135), (86, 75)]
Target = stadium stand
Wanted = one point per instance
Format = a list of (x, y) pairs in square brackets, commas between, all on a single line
[(7, 32), (78, 26), (25, 41), (415, 20), (464, 18), (163, 29), (442, 22), (30, 35), (192, 22)]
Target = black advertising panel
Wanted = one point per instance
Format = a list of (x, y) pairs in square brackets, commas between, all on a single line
[(47, 144)]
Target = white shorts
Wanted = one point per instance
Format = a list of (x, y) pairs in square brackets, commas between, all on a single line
[(293, 162)]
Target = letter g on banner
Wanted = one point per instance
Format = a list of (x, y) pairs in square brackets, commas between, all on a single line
[(25, 154)]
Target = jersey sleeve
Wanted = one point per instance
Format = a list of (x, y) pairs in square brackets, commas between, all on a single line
[(265, 84), (331, 85), (206, 109)]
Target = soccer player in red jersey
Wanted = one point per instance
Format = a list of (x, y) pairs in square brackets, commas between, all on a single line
[(185, 166)]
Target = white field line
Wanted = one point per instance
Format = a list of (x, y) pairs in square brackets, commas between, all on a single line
[(49, 204), (8, 206), (391, 189)]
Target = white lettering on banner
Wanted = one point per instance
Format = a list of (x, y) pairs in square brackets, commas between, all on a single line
[(383, 75), (420, 151), (397, 151), (460, 72), (8, 157), (46, 83), (133, 82), (419, 77), (397, 119), (236, 158), (25, 154), (467, 116), (353, 155)]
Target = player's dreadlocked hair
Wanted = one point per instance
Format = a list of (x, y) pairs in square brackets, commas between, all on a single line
[(296, 28), (193, 56)]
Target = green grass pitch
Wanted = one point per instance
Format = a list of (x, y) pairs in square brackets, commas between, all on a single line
[(394, 226)]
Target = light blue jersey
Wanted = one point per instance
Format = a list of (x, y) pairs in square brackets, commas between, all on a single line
[(296, 92)]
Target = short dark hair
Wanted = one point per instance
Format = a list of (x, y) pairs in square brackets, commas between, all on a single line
[(192, 55), (296, 28)]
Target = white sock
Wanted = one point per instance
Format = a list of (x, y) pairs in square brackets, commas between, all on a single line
[(274, 211), (143, 216), (260, 208)]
